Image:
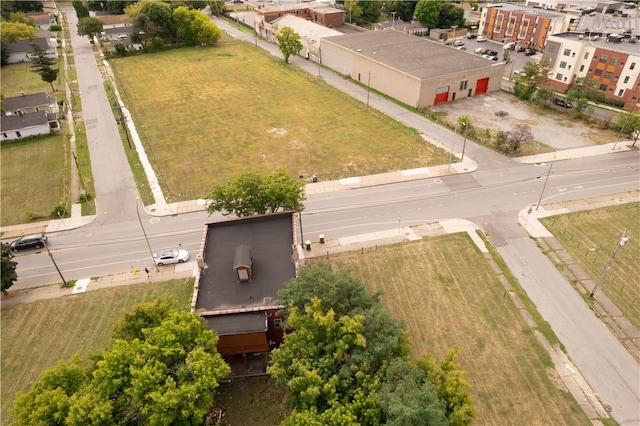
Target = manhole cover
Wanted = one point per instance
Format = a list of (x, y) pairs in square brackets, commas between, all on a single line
[(501, 113)]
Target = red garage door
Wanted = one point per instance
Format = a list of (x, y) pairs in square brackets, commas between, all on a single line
[(442, 95), (482, 85)]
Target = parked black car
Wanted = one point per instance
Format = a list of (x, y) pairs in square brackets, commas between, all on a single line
[(562, 102), (529, 52), (472, 35), (29, 241)]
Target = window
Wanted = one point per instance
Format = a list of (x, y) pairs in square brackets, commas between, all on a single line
[(558, 76), (18, 134), (586, 55), (603, 58), (277, 322), (626, 79), (563, 64), (566, 52), (632, 66), (620, 92), (607, 74), (463, 85), (581, 68), (603, 87), (551, 48), (598, 72), (613, 61)]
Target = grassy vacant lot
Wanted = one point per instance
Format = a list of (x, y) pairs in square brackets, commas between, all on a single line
[(37, 335), (207, 114), (18, 78), (447, 294), (591, 236), (33, 178)]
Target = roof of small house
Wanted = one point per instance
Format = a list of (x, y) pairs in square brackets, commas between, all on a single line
[(244, 322), (305, 28), (17, 122), (28, 101), (25, 45)]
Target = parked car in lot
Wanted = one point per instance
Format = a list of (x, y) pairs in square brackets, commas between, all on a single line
[(479, 50), (562, 102), (472, 36), (520, 49), (529, 52), (29, 241), (458, 43), (167, 257), (492, 57), (481, 38), (518, 72), (492, 53), (509, 46)]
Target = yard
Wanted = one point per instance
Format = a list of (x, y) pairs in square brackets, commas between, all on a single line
[(37, 335), (591, 236), (207, 114)]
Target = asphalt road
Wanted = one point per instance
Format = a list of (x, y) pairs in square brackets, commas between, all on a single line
[(491, 197)]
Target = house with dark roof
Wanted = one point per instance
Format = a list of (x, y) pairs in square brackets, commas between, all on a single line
[(415, 71), (29, 115), (243, 263), (42, 20), (20, 51)]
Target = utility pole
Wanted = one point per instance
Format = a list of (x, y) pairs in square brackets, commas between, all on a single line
[(544, 186), (145, 234), (55, 265), (622, 242), (368, 88), (124, 126)]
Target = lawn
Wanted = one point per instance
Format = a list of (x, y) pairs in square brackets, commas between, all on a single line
[(17, 78), (448, 295), (37, 335), (34, 178), (206, 114), (591, 236)]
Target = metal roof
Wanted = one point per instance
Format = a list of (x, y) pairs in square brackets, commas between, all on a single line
[(28, 101)]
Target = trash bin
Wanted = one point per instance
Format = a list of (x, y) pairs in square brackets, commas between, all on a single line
[(321, 237), (314, 178), (308, 245)]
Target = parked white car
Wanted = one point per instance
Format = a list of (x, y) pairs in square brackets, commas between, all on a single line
[(481, 38), (167, 257)]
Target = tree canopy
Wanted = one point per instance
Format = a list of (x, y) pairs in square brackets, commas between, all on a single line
[(43, 65), (345, 361), (533, 76), (254, 193), (165, 371), (438, 14), (288, 42), (10, 32), (192, 27), (8, 274), (90, 27)]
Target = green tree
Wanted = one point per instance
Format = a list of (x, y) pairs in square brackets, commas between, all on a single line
[(254, 193), (451, 385), (81, 9), (314, 363), (43, 65), (370, 11), (8, 273), (581, 92), (132, 324), (352, 11), (217, 7), (151, 19), (408, 400), (428, 12), (543, 96), (403, 8), (628, 123), (48, 401), (192, 27), (90, 27), (288, 42), (10, 32), (450, 15), (117, 7), (533, 76), (20, 17)]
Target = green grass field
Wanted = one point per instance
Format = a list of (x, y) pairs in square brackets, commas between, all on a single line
[(590, 238), (17, 78), (37, 335), (447, 294), (34, 178), (207, 114)]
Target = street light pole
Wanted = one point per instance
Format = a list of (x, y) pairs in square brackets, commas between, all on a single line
[(55, 264), (622, 242), (544, 186)]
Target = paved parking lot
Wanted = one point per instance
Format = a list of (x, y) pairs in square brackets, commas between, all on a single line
[(553, 128)]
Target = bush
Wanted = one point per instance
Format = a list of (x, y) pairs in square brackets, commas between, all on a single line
[(59, 210), (84, 198), (55, 27), (70, 284), (30, 215)]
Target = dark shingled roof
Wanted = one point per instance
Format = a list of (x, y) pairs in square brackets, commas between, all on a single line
[(246, 322), (25, 45), (271, 241), (17, 122), (413, 55), (27, 101)]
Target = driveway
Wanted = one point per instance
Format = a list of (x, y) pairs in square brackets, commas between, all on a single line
[(555, 129)]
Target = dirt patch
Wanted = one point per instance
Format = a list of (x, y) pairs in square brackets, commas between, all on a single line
[(554, 128)]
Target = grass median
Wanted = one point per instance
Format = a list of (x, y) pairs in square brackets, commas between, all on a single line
[(590, 237), (207, 114)]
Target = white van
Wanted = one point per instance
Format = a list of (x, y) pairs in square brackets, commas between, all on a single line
[(509, 46)]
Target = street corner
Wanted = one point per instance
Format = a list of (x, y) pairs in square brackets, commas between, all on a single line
[(529, 219)]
